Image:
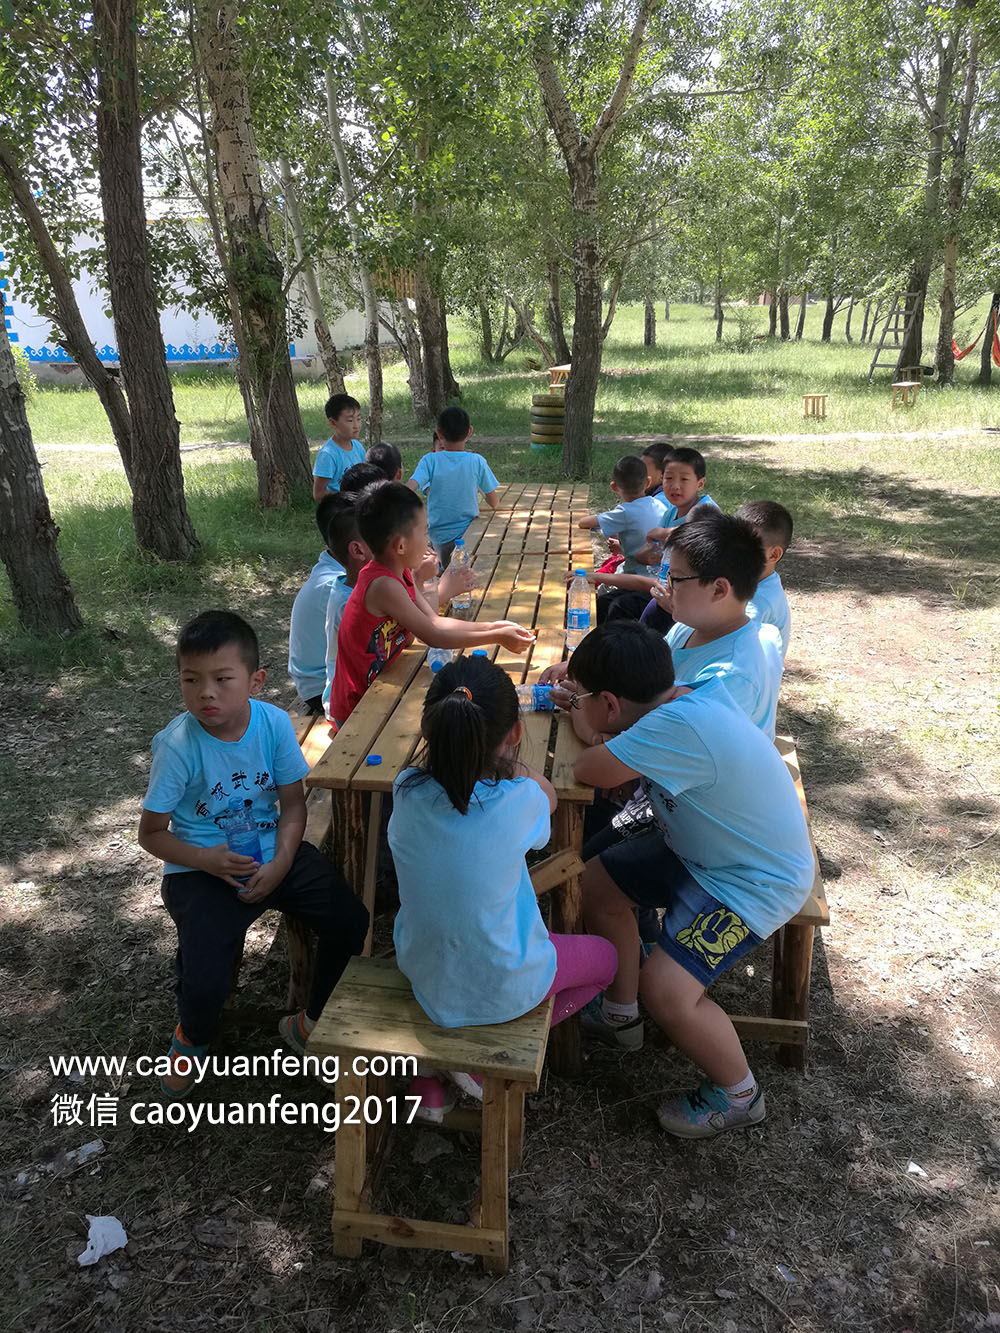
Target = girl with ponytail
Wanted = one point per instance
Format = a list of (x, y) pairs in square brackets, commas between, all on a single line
[(469, 935)]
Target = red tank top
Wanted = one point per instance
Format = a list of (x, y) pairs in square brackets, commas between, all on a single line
[(365, 643)]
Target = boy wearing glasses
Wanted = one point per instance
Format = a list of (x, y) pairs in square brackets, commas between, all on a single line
[(727, 858)]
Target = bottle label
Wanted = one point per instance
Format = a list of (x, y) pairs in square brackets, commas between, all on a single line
[(541, 699), (578, 619)]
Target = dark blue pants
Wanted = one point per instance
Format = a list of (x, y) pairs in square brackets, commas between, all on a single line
[(211, 919)]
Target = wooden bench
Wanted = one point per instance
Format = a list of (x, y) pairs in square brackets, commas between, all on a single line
[(907, 392), (558, 376), (788, 1023), (815, 404), (373, 1013)]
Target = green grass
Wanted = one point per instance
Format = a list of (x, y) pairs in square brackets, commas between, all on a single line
[(685, 385)]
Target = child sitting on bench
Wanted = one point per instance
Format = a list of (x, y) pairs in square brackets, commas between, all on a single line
[(729, 859), (469, 935), (629, 521), (230, 746), (773, 525)]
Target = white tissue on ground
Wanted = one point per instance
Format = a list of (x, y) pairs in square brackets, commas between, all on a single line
[(106, 1235)]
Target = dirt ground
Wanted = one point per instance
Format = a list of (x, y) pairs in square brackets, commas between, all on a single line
[(870, 1199)]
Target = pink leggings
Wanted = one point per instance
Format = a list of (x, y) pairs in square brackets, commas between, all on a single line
[(585, 965)]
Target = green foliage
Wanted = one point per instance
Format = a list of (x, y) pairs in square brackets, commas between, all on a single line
[(25, 375)]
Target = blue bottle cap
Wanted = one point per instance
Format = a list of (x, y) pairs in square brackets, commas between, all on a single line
[(373, 759), (436, 667), (479, 652), (580, 573)]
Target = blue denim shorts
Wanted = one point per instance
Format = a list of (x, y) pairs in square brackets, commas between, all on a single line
[(705, 936)]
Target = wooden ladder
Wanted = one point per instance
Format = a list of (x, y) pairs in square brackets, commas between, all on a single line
[(897, 325)]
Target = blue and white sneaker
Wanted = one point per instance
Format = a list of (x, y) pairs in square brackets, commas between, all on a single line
[(708, 1111), (628, 1035)]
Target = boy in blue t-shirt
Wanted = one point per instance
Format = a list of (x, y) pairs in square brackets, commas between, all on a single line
[(629, 522), (229, 746), (715, 565), (306, 636), (728, 858), (353, 553), (773, 524), (342, 449), (452, 480)]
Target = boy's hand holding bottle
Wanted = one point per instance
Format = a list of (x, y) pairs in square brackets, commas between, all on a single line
[(227, 865)]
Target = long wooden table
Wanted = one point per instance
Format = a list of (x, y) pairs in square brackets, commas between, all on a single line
[(521, 555)]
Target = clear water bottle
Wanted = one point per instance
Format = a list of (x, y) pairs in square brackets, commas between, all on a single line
[(439, 657), (242, 836), (462, 601), (577, 609), (535, 698), (663, 568)]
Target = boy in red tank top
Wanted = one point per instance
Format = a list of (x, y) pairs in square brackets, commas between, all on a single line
[(386, 610)]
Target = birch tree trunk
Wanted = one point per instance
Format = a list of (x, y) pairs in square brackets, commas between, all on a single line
[(582, 155), (847, 321), (720, 310), (986, 355), (944, 360), (283, 464), (800, 325), (649, 323), (911, 350), (373, 352), (553, 311), (159, 513), (42, 595), (332, 368)]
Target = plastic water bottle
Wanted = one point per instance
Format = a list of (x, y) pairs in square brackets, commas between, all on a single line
[(439, 657), (242, 836), (535, 698), (462, 601), (578, 609), (663, 568)]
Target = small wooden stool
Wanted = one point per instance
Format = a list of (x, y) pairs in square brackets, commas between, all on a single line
[(912, 373), (907, 389), (557, 377), (373, 1013), (815, 404)]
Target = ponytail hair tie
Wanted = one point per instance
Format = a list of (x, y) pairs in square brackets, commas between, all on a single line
[(463, 689)]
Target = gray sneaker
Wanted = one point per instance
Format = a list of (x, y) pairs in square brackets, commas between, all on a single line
[(629, 1036), (708, 1111)]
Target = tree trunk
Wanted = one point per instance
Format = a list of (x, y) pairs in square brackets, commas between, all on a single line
[(159, 513), (874, 324), (944, 360), (828, 314), (864, 322), (720, 309), (783, 311), (485, 330), (800, 325), (772, 313), (452, 388), (42, 595), (324, 341), (554, 315), (526, 321), (283, 464), (847, 322), (649, 324), (986, 355), (666, 310), (911, 350), (414, 362), (373, 352), (431, 338)]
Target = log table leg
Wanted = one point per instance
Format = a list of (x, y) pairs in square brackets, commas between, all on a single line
[(496, 1132), (793, 947), (299, 943), (566, 917)]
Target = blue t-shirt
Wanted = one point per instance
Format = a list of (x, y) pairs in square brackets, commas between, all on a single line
[(725, 803), (769, 605), (669, 519), (748, 660), (340, 591), (469, 935), (452, 481), (629, 522), (332, 461), (307, 630), (194, 774)]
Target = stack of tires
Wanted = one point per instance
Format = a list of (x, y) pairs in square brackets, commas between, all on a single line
[(547, 415)]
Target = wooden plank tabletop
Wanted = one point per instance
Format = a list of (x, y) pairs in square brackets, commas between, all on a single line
[(521, 554)]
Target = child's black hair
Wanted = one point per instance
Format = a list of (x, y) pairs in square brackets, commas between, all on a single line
[(772, 521), (385, 511), (471, 706), (342, 528), (657, 450), (626, 658), (387, 458), (358, 476), (211, 630), (720, 546), (324, 509), (453, 424), (340, 402), (629, 474), (684, 454)]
